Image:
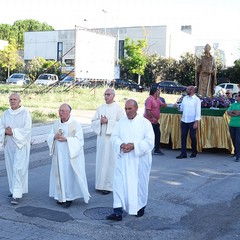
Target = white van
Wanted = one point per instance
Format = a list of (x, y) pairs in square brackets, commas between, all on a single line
[(223, 87), (46, 79)]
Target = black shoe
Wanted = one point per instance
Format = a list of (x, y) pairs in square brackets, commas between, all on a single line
[(140, 212), (105, 192), (158, 152), (114, 217), (59, 203), (181, 156), (237, 159), (67, 204), (10, 195), (193, 155)]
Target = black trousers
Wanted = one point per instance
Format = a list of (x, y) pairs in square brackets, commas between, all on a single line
[(157, 133), (185, 128), (235, 136)]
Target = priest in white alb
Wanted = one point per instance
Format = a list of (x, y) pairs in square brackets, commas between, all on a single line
[(103, 122), (15, 138), (133, 141), (67, 177)]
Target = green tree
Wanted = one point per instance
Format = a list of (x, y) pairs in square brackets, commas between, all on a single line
[(39, 65), (15, 36), (9, 58), (53, 67), (186, 69), (155, 67), (162, 68), (34, 67), (233, 73), (5, 32), (29, 25), (170, 71), (17, 30), (159, 69), (136, 59)]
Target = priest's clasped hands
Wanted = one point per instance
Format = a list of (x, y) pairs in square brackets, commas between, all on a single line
[(8, 131), (104, 119), (59, 136), (127, 147)]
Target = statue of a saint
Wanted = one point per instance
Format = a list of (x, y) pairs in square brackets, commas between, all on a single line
[(206, 74)]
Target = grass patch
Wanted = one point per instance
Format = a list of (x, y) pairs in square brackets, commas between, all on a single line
[(40, 117), (43, 106)]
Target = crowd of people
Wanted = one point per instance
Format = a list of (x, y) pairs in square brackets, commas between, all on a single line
[(126, 142)]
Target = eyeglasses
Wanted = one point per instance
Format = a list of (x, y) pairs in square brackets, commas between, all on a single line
[(227, 93)]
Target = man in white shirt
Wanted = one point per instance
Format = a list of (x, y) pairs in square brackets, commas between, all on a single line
[(191, 115)]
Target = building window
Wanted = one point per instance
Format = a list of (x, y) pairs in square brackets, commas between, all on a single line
[(69, 62), (121, 49), (59, 51)]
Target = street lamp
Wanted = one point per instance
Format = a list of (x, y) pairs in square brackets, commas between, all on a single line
[(105, 12), (85, 22)]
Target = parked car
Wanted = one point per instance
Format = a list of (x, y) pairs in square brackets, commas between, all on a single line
[(18, 78), (170, 87), (67, 81), (127, 84), (46, 79), (81, 82), (234, 87)]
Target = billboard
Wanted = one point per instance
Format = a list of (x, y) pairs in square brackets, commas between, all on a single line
[(94, 55)]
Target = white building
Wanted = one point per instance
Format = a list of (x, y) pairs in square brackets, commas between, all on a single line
[(163, 40), (50, 45)]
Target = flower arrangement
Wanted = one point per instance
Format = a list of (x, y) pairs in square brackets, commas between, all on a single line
[(220, 101), (215, 102)]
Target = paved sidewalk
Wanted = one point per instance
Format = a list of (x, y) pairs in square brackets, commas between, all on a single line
[(193, 198)]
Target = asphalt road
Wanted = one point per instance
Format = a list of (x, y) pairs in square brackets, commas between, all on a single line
[(188, 199)]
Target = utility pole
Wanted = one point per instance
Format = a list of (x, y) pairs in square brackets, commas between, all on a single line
[(105, 13)]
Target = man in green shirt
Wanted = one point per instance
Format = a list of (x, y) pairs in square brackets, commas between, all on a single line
[(234, 125)]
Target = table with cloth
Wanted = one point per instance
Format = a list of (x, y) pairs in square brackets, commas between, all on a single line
[(213, 131)]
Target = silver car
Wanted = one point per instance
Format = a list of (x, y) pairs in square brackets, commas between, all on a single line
[(18, 78), (46, 79)]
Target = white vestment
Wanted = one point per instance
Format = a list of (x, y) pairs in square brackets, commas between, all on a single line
[(131, 176), (105, 156), (68, 177), (16, 148)]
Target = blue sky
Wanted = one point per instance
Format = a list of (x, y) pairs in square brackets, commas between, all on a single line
[(211, 20)]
